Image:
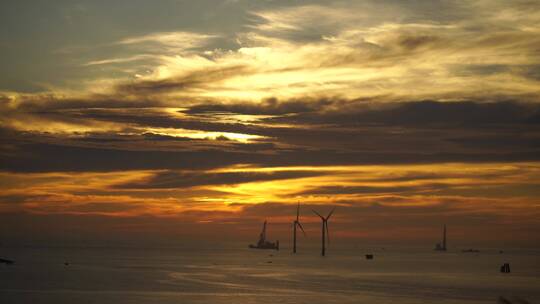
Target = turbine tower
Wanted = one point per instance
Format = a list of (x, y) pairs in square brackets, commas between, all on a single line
[(444, 238), (295, 224), (325, 233)]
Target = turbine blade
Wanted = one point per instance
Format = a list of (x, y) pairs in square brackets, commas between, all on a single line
[(330, 214), (297, 212), (302, 228), (317, 213)]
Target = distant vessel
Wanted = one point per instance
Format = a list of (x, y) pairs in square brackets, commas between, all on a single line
[(6, 261), (442, 246), (263, 243), (470, 250)]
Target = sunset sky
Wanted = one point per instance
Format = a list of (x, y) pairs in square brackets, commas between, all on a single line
[(189, 120)]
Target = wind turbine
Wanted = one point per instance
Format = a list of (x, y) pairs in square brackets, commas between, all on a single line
[(295, 224), (325, 233)]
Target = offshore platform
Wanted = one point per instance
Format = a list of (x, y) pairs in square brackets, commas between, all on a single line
[(442, 246), (263, 243)]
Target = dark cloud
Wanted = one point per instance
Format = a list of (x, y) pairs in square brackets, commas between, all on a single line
[(403, 113), (53, 158), (171, 179), (413, 42), (300, 132), (429, 112), (331, 190), (422, 176), (463, 189), (18, 198), (531, 71), (160, 137), (503, 141), (47, 157), (494, 190), (195, 79), (100, 207), (47, 103), (271, 106), (480, 69)]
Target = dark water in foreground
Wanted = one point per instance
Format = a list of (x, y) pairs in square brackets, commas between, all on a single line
[(240, 275)]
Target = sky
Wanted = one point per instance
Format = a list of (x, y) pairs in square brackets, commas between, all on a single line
[(198, 120)]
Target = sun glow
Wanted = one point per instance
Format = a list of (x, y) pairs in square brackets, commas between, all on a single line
[(198, 134)]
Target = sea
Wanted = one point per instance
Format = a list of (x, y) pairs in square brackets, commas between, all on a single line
[(233, 273)]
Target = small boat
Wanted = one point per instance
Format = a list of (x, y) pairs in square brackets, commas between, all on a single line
[(470, 250), (9, 262), (263, 243)]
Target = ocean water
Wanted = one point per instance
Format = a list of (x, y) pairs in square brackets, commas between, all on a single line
[(236, 274)]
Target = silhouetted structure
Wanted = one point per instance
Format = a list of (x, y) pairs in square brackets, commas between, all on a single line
[(503, 300), (505, 268), (369, 256), (470, 250), (442, 246), (4, 261), (296, 223), (325, 233), (263, 243)]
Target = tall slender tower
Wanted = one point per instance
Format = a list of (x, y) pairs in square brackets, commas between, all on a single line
[(294, 237), (325, 234), (297, 223), (444, 238), (262, 237)]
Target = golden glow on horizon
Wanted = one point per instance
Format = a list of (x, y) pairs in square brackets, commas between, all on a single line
[(394, 186)]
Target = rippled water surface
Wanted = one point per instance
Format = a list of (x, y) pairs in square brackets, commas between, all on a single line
[(240, 275)]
